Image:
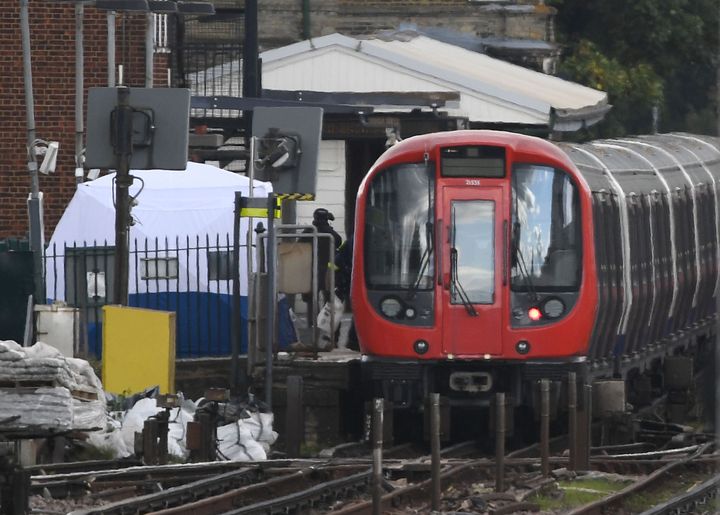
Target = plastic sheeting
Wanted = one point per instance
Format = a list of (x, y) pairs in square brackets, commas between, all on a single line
[(45, 390)]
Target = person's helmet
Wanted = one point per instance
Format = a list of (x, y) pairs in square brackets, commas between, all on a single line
[(321, 215)]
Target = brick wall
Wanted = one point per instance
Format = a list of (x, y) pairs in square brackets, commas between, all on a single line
[(52, 32), (281, 21)]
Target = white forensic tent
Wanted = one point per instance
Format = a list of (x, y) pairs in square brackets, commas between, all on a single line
[(179, 250)]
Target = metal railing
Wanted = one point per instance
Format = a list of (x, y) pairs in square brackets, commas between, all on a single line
[(211, 70), (188, 275)]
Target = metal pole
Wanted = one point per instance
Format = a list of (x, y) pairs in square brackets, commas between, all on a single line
[(79, 90), (294, 416), (377, 428), (149, 49), (252, 321), (271, 299), (123, 152), (499, 442), (250, 64), (545, 426), (235, 325), (572, 420), (589, 404), (111, 49), (435, 449), (35, 202)]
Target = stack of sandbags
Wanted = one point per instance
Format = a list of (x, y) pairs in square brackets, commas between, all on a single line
[(248, 438), (42, 389)]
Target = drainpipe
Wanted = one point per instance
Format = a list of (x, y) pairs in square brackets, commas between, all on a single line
[(79, 90), (35, 202), (306, 18), (111, 49), (149, 48)]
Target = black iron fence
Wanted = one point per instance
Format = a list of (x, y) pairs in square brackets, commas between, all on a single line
[(191, 276)]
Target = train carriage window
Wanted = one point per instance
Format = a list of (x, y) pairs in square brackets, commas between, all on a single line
[(546, 246), (399, 228)]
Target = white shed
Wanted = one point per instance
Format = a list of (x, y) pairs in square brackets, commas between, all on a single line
[(491, 90)]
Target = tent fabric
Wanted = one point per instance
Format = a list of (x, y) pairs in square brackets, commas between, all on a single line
[(170, 203), (190, 210)]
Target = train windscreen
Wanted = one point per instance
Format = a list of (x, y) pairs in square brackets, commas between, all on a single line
[(398, 228), (546, 244)]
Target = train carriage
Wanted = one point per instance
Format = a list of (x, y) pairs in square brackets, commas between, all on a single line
[(485, 260)]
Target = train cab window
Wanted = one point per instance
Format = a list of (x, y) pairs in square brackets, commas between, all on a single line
[(546, 243), (399, 228)]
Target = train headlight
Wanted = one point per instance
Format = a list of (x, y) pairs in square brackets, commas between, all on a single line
[(553, 308), (421, 346), (390, 307), (522, 347)]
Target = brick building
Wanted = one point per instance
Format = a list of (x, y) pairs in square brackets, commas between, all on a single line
[(486, 25), (52, 31)]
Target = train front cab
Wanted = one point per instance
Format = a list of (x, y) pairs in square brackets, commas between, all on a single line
[(472, 263)]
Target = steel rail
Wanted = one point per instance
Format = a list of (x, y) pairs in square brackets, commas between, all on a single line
[(600, 506), (687, 502), (312, 497), (177, 495), (259, 492)]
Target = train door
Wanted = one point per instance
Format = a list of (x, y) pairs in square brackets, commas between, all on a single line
[(474, 267)]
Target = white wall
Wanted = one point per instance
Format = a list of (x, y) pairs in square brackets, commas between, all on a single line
[(330, 186)]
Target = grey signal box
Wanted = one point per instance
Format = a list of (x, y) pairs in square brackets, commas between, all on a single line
[(160, 126), (286, 148)]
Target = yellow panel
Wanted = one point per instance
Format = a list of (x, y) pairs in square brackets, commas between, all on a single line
[(138, 349)]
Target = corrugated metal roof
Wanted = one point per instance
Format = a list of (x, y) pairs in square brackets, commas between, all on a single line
[(492, 90)]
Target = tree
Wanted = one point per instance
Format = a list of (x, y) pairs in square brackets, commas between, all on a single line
[(644, 53)]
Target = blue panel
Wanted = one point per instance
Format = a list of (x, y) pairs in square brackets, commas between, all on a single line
[(203, 320)]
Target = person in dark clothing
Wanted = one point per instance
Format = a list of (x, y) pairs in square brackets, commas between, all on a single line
[(343, 278), (343, 270), (321, 220)]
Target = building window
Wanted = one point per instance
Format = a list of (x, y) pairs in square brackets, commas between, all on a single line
[(159, 268), (220, 265)]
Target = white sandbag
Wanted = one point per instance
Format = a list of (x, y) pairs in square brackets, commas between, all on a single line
[(134, 419), (177, 430), (248, 439), (328, 321), (10, 351), (235, 443), (111, 440)]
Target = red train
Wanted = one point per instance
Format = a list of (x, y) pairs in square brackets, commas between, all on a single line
[(486, 260)]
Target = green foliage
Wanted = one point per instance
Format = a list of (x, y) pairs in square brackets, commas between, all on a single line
[(643, 53), (572, 494)]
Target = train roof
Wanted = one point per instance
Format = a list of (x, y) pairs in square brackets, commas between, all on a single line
[(645, 164)]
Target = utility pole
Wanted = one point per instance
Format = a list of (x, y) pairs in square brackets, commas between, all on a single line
[(251, 65), (123, 181), (35, 202)]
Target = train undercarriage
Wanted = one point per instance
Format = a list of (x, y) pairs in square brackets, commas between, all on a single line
[(468, 388)]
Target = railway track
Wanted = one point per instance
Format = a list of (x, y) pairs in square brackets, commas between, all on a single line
[(339, 480)]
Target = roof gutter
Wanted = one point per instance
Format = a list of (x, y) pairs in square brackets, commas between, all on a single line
[(571, 120)]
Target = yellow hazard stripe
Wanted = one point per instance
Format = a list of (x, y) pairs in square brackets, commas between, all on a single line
[(257, 212), (296, 196)]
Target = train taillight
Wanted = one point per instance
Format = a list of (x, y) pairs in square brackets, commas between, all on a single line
[(534, 314)]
